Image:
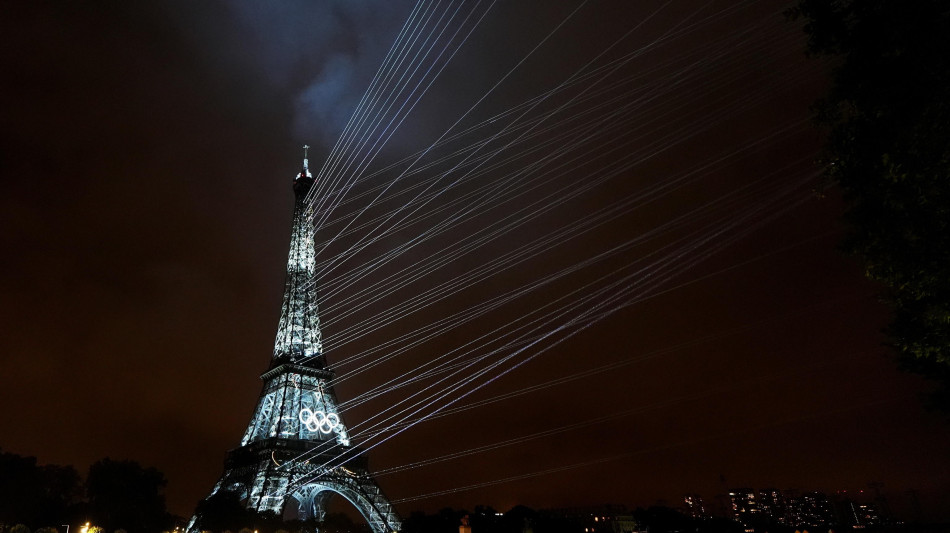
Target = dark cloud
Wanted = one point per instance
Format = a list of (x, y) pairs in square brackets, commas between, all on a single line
[(322, 53)]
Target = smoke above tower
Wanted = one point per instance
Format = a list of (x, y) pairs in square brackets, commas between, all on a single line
[(323, 53)]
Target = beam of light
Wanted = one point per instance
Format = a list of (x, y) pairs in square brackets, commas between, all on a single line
[(467, 370), (467, 383), (797, 375), (862, 403), (462, 117), (725, 113)]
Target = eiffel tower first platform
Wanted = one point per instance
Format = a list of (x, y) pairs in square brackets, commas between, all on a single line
[(296, 450)]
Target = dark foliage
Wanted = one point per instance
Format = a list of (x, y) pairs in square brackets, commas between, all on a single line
[(340, 523), (445, 521), (888, 147), (37, 496), (659, 519), (519, 519), (123, 494), (522, 519), (118, 494)]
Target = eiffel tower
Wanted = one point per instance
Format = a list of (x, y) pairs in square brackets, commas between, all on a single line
[(296, 450)]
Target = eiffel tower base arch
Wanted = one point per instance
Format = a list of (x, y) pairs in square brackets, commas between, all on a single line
[(268, 475), (312, 500)]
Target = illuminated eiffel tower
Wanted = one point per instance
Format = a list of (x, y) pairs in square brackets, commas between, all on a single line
[(296, 449)]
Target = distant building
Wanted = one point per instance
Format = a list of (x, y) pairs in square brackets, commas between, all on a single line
[(624, 523), (745, 508), (793, 507), (813, 510), (598, 518), (694, 506), (862, 515), (772, 505), (755, 510)]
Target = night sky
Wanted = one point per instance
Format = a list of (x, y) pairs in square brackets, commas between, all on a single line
[(147, 156)]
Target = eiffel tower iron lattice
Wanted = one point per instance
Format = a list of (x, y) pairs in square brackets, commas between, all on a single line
[(296, 447)]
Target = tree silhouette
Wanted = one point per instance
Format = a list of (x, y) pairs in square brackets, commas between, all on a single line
[(888, 147), (34, 495), (123, 494)]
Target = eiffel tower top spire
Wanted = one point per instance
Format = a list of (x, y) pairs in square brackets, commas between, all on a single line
[(306, 164), (298, 333)]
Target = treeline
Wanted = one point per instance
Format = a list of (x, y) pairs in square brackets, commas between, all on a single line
[(223, 513), (607, 519), (114, 495)]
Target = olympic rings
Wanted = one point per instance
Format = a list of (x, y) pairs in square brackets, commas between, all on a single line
[(318, 420)]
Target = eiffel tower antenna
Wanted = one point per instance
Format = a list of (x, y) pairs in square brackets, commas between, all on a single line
[(296, 429)]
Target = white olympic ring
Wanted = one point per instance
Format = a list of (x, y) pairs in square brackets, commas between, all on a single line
[(318, 420)]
